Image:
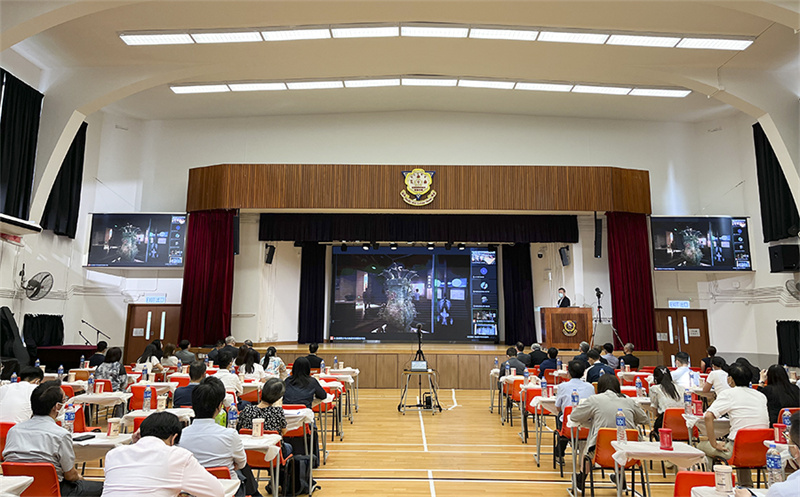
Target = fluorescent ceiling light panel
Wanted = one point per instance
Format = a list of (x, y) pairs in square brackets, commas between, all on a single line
[(244, 36), (496, 85), (503, 34), (371, 83), (655, 92), (643, 41), (314, 85), (543, 87), (366, 32), (257, 86), (296, 34), (602, 90), (714, 44), (157, 39), (429, 82), (434, 32), (567, 37), (181, 90)]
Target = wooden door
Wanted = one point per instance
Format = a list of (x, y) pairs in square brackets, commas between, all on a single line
[(682, 330), (147, 322)]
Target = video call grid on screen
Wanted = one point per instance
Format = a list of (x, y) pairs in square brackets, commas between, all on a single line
[(137, 240), (453, 293), (700, 244)]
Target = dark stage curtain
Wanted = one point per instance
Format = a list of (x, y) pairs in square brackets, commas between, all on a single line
[(19, 131), (208, 277), (631, 279), (418, 228), (789, 343), (43, 330), (518, 291), (312, 294), (779, 217), (61, 210)]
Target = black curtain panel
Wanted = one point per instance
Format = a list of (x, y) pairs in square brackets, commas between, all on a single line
[(311, 322), (789, 343), (63, 204), (518, 294), (416, 228), (44, 330), (19, 131), (779, 216)]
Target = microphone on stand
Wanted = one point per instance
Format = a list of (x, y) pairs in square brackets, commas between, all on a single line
[(86, 339), (97, 338)]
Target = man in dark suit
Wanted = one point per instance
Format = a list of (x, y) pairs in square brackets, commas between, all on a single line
[(522, 356), (593, 373), (550, 362), (537, 355), (313, 359), (230, 347), (183, 395), (563, 300), (249, 344), (629, 359), (213, 355), (517, 367), (582, 356)]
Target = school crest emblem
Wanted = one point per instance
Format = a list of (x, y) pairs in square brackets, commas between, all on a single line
[(570, 328), (418, 183)]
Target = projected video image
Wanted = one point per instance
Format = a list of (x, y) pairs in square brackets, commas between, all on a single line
[(700, 244), (137, 240), (382, 294)]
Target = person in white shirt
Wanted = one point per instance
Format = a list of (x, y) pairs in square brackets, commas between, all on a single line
[(608, 348), (251, 368), (155, 466), (564, 399), (15, 398), (717, 378), (151, 357), (682, 376), (746, 408), (663, 395), (230, 380)]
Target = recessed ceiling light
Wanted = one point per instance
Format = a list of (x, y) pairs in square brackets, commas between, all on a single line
[(655, 92), (369, 83), (434, 32), (296, 34), (366, 32), (568, 37), (643, 41), (257, 86), (602, 90), (199, 89), (314, 85), (503, 34), (498, 85), (428, 82), (240, 37), (714, 44), (157, 39), (543, 87)]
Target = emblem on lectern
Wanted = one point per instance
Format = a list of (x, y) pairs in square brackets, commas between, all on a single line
[(418, 183), (570, 328)]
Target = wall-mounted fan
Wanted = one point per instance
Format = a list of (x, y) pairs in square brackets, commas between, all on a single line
[(38, 286), (793, 287)]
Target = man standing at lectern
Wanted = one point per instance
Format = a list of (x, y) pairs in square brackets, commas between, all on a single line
[(563, 300)]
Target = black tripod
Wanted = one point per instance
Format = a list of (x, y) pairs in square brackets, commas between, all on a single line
[(599, 295), (433, 401)]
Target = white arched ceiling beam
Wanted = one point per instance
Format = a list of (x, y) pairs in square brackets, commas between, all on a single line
[(769, 10)]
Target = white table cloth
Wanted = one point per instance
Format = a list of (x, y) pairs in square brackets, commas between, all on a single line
[(265, 444), (295, 418), (546, 403), (13, 486), (342, 378), (712, 492), (178, 375), (184, 414), (105, 399), (722, 426), (683, 455), (97, 447), (348, 371), (161, 387)]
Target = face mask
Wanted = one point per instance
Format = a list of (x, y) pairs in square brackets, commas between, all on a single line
[(561, 295)]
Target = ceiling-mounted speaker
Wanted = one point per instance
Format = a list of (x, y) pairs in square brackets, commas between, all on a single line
[(784, 258), (269, 253), (598, 236), (564, 253)]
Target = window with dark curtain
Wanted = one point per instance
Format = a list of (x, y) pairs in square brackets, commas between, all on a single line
[(63, 204), (779, 216), (20, 110), (518, 290), (789, 343)]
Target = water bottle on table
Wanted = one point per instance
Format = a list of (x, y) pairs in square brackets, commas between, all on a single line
[(620, 421), (335, 362), (69, 419), (144, 373), (495, 363), (687, 401), (180, 364), (787, 419), (205, 360), (774, 466), (544, 387), (233, 416), (14, 378), (81, 364), (322, 367), (558, 364), (146, 399), (525, 375), (621, 365), (60, 371), (36, 364), (90, 384), (639, 389)]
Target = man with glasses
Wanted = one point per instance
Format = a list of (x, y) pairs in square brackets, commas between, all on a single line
[(40, 439)]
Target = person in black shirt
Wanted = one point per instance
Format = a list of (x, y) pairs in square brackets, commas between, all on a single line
[(779, 391), (537, 354), (99, 357), (629, 359), (522, 356), (183, 395), (513, 363), (249, 344), (213, 354), (582, 356), (705, 363), (301, 388), (563, 300), (593, 373), (313, 359), (550, 362)]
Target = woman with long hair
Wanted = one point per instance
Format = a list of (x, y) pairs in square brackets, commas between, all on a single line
[(251, 367), (151, 357), (169, 359), (241, 357), (663, 395), (754, 371), (779, 391), (112, 369), (301, 387), (705, 363), (273, 364)]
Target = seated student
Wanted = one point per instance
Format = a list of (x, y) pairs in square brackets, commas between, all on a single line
[(663, 395), (584, 346), (40, 439), (537, 355), (151, 357), (99, 356), (251, 367), (608, 355), (629, 359), (184, 354), (600, 351), (112, 369), (564, 397), (682, 376), (705, 363), (513, 363), (169, 358), (155, 466), (746, 408), (755, 373), (230, 380), (249, 344), (214, 445), (213, 354), (779, 391), (273, 364), (314, 360), (522, 356), (550, 362), (183, 395), (269, 409), (15, 398), (301, 388), (718, 377), (595, 366)]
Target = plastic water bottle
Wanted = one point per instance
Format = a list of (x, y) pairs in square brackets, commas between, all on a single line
[(14, 378), (774, 466), (36, 364), (81, 364), (60, 371), (322, 366), (90, 384), (146, 399), (621, 365), (205, 360), (687, 401), (508, 369), (576, 399), (144, 373), (544, 387), (495, 363), (639, 389), (602, 371), (558, 364), (180, 364), (621, 435), (233, 416), (787, 419), (525, 375), (69, 419), (335, 362)]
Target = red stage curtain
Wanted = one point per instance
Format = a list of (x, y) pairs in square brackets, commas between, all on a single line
[(631, 279), (208, 277)]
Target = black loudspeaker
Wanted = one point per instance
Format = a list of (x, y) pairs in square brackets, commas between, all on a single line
[(564, 253), (784, 258), (598, 238), (236, 234), (269, 253)]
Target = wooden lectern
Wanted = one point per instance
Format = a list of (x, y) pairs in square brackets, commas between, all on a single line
[(566, 327)]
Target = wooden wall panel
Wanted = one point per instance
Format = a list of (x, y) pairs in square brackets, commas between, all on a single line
[(386, 371), (448, 371), (470, 373), (367, 364), (631, 190)]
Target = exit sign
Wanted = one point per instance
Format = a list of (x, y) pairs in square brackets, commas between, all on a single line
[(679, 304)]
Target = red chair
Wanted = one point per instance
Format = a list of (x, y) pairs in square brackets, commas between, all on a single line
[(513, 394), (549, 376), (137, 421), (68, 390), (220, 472), (790, 410), (686, 480), (137, 401), (253, 396), (45, 480), (749, 451), (128, 369), (603, 459), (182, 381), (107, 386), (530, 393), (4, 427), (583, 434), (80, 425), (258, 460), (647, 369)]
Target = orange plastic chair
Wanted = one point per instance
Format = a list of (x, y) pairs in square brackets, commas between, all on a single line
[(68, 390), (107, 386), (549, 376), (181, 381), (686, 480), (749, 451), (80, 422), (647, 369), (299, 431), (603, 457), (128, 369), (137, 401), (253, 396), (4, 427), (137, 421), (583, 434), (220, 472), (45, 479), (673, 419), (790, 410)]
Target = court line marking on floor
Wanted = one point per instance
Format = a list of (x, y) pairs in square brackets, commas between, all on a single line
[(430, 480), (455, 402), (422, 426)]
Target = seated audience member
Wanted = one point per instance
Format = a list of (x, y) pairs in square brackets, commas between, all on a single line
[(230, 380), (705, 362), (301, 388), (537, 355), (230, 346), (269, 408), (522, 356), (513, 363), (629, 359), (251, 367), (249, 344), (314, 360), (155, 466), (595, 366), (564, 397), (241, 355), (755, 373), (169, 359), (608, 355), (99, 356), (213, 354), (184, 354), (151, 357), (214, 445), (15, 398), (113, 370), (746, 408), (550, 362), (584, 346), (600, 411), (718, 377), (663, 395), (183, 395), (273, 364), (599, 350), (682, 376), (779, 391), (40, 439)]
